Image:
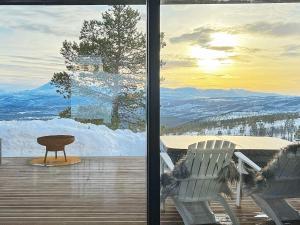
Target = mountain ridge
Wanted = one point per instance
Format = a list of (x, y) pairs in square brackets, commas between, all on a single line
[(233, 92), (178, 105)]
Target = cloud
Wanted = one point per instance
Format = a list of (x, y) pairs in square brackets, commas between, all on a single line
[(225, 76), (273, 29), (43, 28), (180, 62), (291, 50), (249, 50), (221, 48), (45, 60), (199, 35), (202, 35), (53, 20), (241, 58)]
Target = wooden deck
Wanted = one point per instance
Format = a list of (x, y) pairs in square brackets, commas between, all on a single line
[(101, 190)]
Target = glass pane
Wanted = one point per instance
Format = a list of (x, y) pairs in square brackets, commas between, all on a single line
[(230, 101), (73, 114)]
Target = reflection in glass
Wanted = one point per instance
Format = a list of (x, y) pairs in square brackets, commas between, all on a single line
[(79, 73)]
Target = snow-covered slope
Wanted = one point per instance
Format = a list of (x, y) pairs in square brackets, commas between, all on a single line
[(39, 103), (192, 93), (19, 138), (46, 89), (182, 105), (178, 105)]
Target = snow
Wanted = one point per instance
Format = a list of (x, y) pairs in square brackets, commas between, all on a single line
[(242, 142), (19, 138)]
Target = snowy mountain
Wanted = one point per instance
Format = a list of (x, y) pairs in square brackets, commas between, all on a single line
[(191, 93), (39, 103), (178, 106), (182, 105), (46, 89)]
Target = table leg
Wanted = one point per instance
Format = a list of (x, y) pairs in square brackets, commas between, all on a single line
[(55, 154), (45, 159), (65, 156)]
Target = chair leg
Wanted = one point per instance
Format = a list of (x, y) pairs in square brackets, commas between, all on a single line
[(277, 209), (163, 205), (55, 154), (228, 210), (195, 212), (45, 158), (65, 156)]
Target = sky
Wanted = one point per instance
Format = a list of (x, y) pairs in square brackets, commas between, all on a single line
[(31, 38), (254, 47)]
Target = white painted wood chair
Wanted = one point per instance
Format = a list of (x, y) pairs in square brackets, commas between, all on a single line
[(204, 161), (285, 184)]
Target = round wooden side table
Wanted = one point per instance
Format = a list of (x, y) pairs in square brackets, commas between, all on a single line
[(55, 143)]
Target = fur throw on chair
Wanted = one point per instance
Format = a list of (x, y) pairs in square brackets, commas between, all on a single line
[(170, 182), (258, 181)]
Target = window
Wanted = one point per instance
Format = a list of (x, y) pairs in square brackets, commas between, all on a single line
[(73, 113), (229, 99)]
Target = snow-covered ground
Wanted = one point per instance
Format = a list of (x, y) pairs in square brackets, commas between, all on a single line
[(19, 138), (245, 130)]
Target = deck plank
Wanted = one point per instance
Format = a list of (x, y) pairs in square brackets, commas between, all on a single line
[(100, 190)]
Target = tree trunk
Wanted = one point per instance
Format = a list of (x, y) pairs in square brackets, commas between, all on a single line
[(115, 117)]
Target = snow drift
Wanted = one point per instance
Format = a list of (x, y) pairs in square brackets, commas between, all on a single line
[(19, 138)]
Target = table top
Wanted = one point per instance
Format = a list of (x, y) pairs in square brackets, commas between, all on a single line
[(181, 142), (55, 140)]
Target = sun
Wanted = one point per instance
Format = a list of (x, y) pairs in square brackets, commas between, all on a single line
[(223, 40), (217, 54), (209, 60)]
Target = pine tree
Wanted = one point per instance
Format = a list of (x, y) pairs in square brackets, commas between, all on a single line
[(116, 39), (122, 48), (262, 131), (253, 129)]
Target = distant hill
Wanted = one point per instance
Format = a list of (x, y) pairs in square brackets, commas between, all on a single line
[(40, 103), (182, 105), (46, 89), (191, 93), (178, 106)]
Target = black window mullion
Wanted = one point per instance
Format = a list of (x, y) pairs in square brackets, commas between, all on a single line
[(153, 112)]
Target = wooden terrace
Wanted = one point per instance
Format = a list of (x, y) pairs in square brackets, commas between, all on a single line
[(99, 190)]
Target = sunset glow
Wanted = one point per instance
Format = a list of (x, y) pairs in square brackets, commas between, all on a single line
[(243, 46), (223, 40), (210, 60), (217, 46)]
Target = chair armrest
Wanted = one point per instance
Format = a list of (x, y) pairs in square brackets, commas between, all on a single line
[(162, 148), (246, 160), (167, 160)]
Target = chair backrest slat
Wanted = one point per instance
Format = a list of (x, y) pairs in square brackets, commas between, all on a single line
[(204, 161)]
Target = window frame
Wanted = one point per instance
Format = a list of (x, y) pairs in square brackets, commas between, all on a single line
[(153, 79), (153, 105)]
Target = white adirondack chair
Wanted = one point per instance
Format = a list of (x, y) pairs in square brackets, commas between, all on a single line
[(285, 184), (204, 161)]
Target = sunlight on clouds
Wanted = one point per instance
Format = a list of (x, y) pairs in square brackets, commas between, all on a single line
[(210, 60), (223, 39), (233, 46), (209, 65)]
